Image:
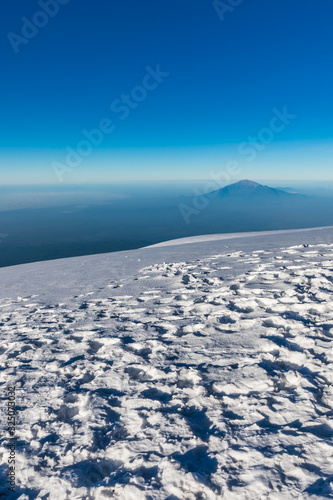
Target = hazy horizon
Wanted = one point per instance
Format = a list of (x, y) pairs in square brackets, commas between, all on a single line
[(50, 222)]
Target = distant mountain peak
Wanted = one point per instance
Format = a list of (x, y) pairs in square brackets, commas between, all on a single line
[(246, 182), (245, 188)]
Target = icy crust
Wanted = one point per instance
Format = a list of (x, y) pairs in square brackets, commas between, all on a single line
[(203, 386)]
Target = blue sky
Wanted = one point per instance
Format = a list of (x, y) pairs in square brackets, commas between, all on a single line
[(176, 90)]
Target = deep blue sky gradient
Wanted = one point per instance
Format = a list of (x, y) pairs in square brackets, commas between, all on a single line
[(224, 80)]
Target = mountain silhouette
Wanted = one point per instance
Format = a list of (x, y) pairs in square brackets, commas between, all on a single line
[(249, 206), (246, 188)]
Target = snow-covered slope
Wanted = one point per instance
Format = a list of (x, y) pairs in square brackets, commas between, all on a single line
[(227, 236), (198, 371)]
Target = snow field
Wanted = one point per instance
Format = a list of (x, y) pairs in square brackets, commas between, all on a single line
[(204, 386)]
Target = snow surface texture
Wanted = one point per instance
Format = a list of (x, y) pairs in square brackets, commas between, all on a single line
[(203, 378)]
